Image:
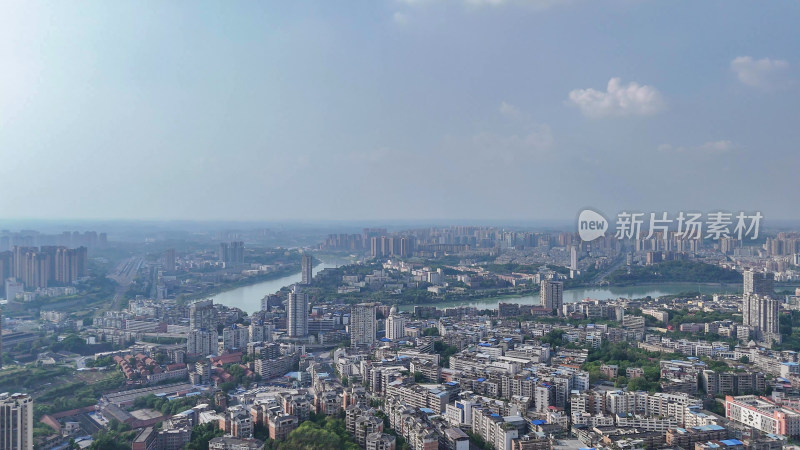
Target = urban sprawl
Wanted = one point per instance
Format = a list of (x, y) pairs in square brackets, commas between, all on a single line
[(451, 338)]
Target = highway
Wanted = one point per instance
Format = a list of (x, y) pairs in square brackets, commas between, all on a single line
[(600, 278)]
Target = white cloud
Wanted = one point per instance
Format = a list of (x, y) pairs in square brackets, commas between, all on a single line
[(764, 73), (631, 99), (509, 110), (521, 138), (716, 147), (400, 18), (712, 147), (524, 136), (536, 138)]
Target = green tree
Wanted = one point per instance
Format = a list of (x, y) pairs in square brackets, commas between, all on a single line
[(554, 337), (201, 434), (111, 440), (432, 331)]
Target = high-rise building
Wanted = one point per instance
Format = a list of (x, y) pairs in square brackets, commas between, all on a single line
[(235, 337), (78, 260), (260, 332), (203, 315), (551, 295), (203, 369), (13, 287), (222, 254), (363, 325), (306, 268), (395, 325), (297, 314), (760, 311), (761, 314), (375, 246), (232, 253), (37, 268), (202, 342), (381, 246), (16, 421), (1, 339), (19, 261), (406, 246), (573, 257), (169, 260), (237, 252), (6, 262), (759, 283)]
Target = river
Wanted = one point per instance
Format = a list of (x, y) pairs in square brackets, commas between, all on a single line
[(248, 298), (578, 294)]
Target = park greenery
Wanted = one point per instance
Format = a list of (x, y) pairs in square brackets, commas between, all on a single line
[(92, 292), (76, 344), (167, 406), (790, 330), (445, 351), (679, 316), (201, 434), (509, 268), (118, 436), (319, 433), (54, 389), (16, 379), (73, 395), (675, 271), (102, 361), (625, 356), (554, 338)]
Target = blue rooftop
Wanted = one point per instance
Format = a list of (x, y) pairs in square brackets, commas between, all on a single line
[(709, 428), (732, 442)]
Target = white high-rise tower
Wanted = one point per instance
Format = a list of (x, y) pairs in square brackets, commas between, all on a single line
[(297, 313), (363, 325), (395, 325)]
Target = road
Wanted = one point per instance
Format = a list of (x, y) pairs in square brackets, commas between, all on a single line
[(127, 270), (124, 274), (620, 260)]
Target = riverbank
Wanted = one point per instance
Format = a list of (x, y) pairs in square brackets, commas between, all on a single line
[(247, 282), (574, 295), (248, 297)]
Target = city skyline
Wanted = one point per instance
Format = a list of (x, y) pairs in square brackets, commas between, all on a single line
[(521, 110), (400, 225)]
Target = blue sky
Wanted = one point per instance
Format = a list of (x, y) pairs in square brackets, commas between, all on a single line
[(416, 109)]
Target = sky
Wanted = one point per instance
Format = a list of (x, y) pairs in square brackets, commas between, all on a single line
[(397, 109)]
